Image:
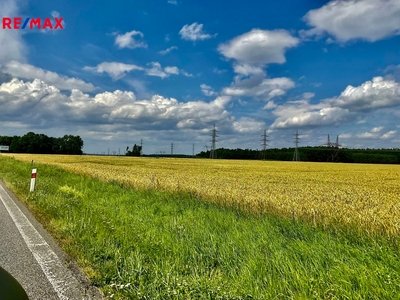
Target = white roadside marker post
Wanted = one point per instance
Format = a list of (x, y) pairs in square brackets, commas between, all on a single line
[(33, 180)]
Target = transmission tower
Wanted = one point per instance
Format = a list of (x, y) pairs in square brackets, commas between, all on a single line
[(193, 151), (264, 144), (337, 145), (172, 148), (214, 135), (296, 143), (334, 148)]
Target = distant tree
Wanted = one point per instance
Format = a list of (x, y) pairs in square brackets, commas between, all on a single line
[(5, 140), (70, 144), (136, 151)]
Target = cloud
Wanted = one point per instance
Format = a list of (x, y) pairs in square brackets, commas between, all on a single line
[(139, 86), (248, 125), (12, 44), (270, 105), (303, 114), (171, 70), (373, 94), (246, 70), (194, 32), (378, 93), (258, 48), (251, 52), (156, 70), (377, 133), (168, 50), (389, 135), (346, 20), (115, 70), (27, 71), (259, 86), (36, 102), (55, 14), (130, 40), (19, 98), (173, 2), (207, 90)]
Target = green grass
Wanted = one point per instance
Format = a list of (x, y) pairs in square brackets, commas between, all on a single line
[(137, 244)]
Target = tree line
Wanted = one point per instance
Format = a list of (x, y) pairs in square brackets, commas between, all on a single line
[(43, 144), (312, 154)]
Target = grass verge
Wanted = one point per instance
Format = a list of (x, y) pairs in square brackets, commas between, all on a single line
[(156, 245)]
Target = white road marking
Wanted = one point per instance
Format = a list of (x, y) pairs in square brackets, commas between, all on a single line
[(57, 274)]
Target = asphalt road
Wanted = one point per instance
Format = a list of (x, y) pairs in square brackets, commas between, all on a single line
[(33, 258)]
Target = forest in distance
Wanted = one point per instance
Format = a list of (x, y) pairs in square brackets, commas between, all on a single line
[(312, 154), (69, 144), (42, 144)]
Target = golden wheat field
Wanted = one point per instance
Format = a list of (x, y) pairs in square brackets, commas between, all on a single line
[(366, 197)]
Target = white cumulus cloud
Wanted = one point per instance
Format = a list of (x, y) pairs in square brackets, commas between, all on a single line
[(372, 94), (259, 47), (156, 70), (194, 32), (115, 70), (131, 40), (26, 71), (248, 125), (251, 53), (207, 90), (377, 133), (378, 93), (37, 102), (345, 20), (260, 87)]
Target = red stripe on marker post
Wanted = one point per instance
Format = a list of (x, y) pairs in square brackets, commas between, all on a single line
[(33, 180)]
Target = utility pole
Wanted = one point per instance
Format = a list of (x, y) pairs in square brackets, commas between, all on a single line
[(264, 144), (214, 135), (296, 143)]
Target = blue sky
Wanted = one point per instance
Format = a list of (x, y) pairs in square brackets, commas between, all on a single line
[(165, 71)]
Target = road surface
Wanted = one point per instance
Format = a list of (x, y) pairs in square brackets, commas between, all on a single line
[(32, 257)]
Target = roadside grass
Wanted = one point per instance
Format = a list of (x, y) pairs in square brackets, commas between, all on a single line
[(148, 244)]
